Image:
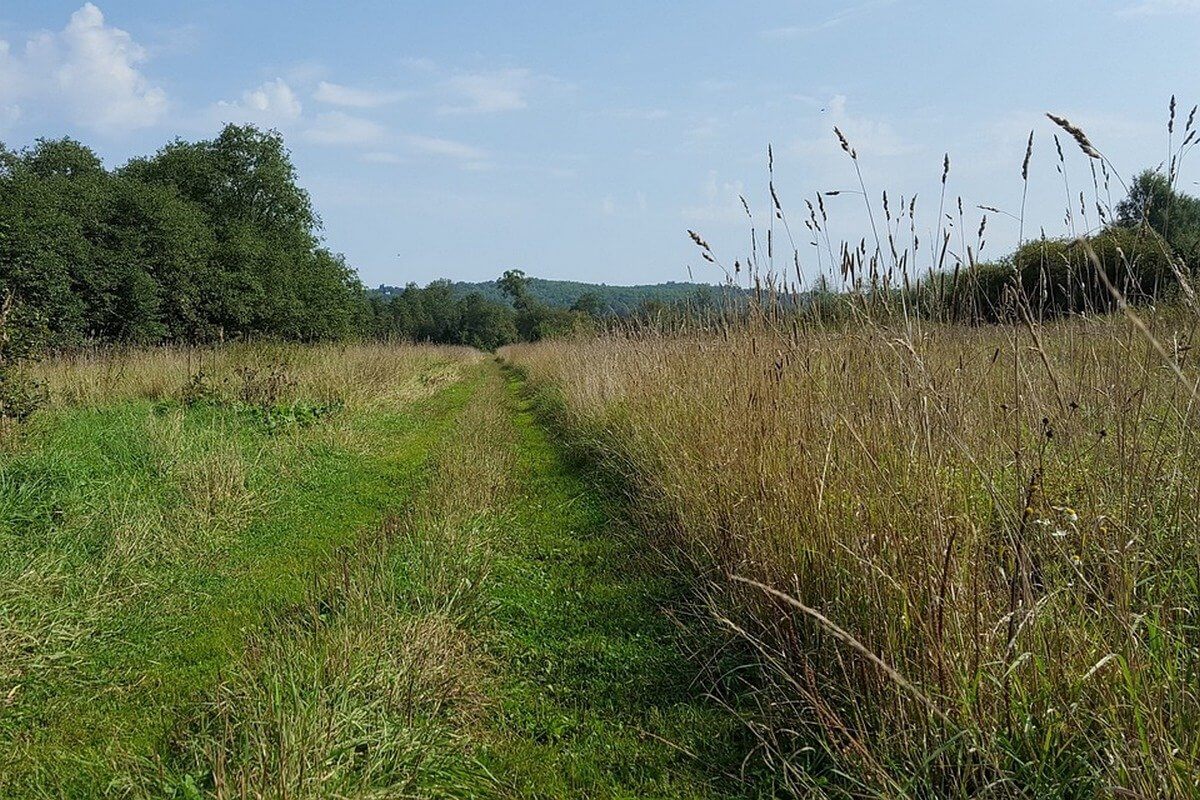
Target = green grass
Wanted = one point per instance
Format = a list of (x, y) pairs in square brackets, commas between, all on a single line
[(426, 599), (597, 698), (121, 605)]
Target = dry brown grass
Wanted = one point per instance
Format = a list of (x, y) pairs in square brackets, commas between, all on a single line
[(1004, 516), (362, 374)]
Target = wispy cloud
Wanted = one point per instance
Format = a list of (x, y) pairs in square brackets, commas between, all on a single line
[(832, 21), (336, 94), (174, 40), (340, 128), (446, 148), (383, 158), (641, 114), (496, 91), (869, 136), (489, 92), (722, 202), (1150, 8), (272, 103), (9, 116), (420, 64)]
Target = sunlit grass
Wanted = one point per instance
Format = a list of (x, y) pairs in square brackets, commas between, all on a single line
[(145, 536), (1005, 516)]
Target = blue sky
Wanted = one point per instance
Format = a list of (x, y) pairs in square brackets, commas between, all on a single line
[(582, 140)]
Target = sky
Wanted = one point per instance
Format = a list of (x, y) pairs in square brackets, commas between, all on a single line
[(582, 141)]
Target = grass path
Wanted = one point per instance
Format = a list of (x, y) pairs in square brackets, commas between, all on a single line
[(436, 602), (505, 638), (596, 698)]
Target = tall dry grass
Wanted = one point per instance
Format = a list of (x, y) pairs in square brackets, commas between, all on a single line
[(1007, 519), (964, 558), (358, 374)]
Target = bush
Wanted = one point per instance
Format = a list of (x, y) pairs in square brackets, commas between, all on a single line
[(1054, 277), (20, 395)]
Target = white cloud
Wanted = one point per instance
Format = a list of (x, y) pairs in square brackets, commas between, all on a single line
[(88, 72), (447, 148), (337, 127), (848, 13), (335, 94), (273, 104), (869, 137), (1147, 8), (489, 92)]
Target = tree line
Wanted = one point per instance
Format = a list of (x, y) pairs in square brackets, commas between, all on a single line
[(202, 241), (214, 240), (435, 314), (1140, 255)]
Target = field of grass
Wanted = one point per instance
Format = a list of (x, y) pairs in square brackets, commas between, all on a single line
[(965, 557), (332, 571), (858, 557)]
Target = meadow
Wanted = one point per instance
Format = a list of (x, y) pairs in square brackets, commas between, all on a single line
[(855, 560), (328, 571), (898, 532), (964, 558), (944, 518)]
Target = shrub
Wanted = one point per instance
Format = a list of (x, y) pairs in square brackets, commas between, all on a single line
[(20, 395), (1053, 277)]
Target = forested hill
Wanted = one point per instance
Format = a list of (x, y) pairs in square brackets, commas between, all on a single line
[(607, 299)]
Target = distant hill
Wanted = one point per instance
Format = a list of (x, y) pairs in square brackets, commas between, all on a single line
[(619, 300)]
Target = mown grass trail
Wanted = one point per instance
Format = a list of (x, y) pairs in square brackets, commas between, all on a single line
[(420, 597), (596, 698), (504, 636)]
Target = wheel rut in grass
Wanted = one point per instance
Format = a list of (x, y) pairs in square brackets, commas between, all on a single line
[(162, 621), (595, 697)]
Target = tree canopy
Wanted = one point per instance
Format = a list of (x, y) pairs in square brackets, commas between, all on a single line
[(203, 240), (1154, 201)]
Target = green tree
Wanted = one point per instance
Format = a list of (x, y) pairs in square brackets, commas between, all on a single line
[(485, 324), (202, 240), (40, 246), (269, 273), (589, 303), (516, 286), (1173, 215)]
